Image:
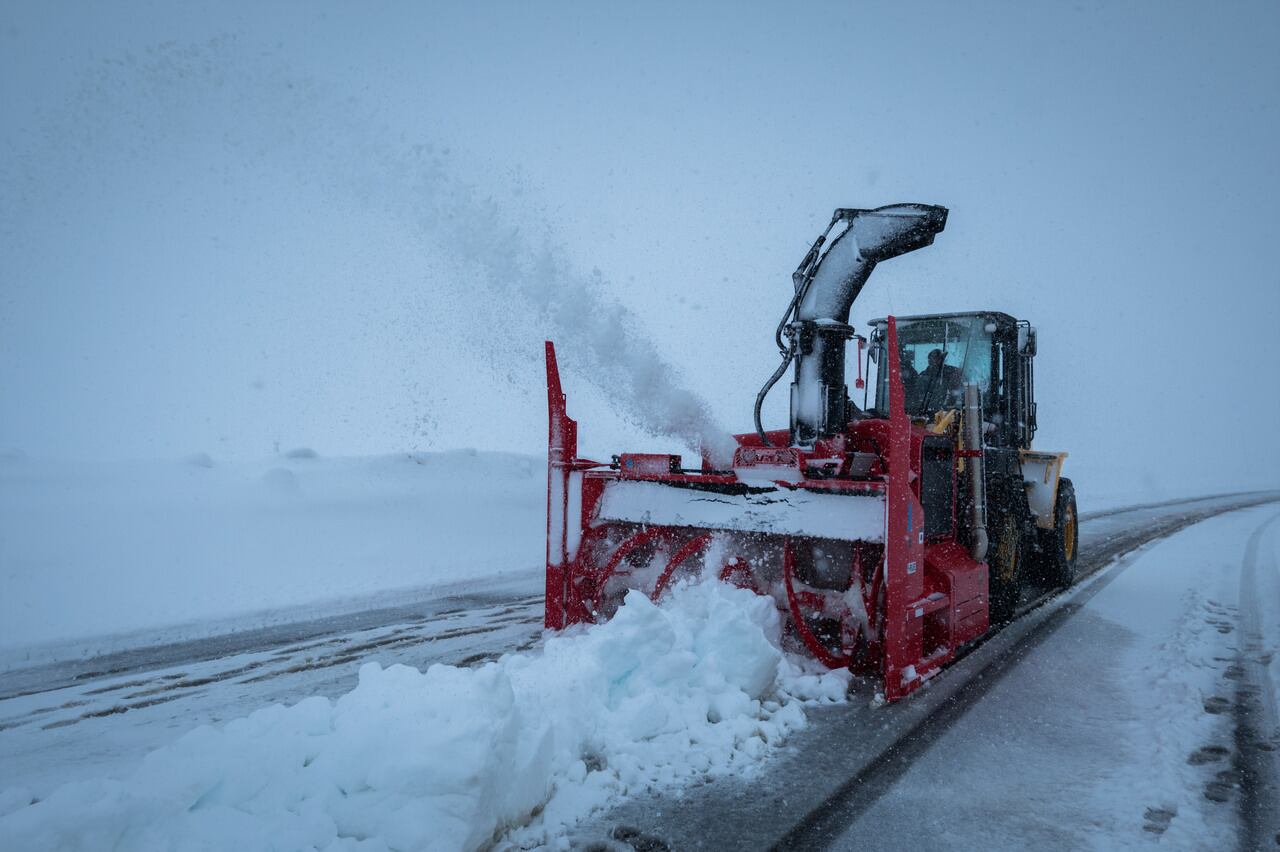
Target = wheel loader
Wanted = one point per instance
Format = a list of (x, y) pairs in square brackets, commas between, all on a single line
[(892, 527)]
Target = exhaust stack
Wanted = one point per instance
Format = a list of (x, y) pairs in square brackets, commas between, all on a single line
[(825, 290), (977, 479)]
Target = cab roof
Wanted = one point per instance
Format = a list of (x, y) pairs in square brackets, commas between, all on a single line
[(998, 317)]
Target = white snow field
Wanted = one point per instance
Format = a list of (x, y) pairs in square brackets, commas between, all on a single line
[(1117, 730), (447, 759), (101, 556), (97, 556)]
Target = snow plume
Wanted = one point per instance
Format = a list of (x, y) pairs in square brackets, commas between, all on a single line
[(605, 341), (305, 208), (452, 758)]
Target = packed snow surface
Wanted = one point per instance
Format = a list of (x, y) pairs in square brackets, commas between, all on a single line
[(451, 758), (839, 516)]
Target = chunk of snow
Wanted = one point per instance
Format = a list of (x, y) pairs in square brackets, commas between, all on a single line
[(451, 758)]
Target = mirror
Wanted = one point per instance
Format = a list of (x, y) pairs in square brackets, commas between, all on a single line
[(1027, 341)]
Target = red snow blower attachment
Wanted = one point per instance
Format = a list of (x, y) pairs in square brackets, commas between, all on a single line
[(867, 526)]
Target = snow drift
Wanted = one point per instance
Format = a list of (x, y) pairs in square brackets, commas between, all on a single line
[(451, 758), (96, 556)]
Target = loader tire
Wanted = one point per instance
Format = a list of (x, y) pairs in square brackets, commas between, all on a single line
[(1059, 546), (1004, 571)]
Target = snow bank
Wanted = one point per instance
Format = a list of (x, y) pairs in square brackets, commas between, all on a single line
[(179, 550), (449, 758)]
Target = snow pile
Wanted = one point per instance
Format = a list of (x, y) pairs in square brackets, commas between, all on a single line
[(450, 758)]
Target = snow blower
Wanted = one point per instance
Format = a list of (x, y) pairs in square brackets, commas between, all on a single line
[(889, 534)]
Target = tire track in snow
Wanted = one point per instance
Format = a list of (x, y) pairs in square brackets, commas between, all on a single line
[(140, 693), (831, 817), (1257, 732), (282, 641)]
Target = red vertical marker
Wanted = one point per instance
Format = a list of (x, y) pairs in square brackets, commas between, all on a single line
[(904, 542)]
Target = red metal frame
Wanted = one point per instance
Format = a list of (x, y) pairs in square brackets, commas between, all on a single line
[(804, 603), (904, 546), (694, 545), (562, 448), (924, 599), (654, 534)]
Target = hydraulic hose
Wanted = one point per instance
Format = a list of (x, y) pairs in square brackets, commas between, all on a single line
[(768, 386), (817, 316), (802, 277)]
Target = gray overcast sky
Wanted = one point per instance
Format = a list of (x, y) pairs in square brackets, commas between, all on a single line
[(348, 226)]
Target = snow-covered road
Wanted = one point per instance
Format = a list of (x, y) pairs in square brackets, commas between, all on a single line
[(1103, 718), (1092, 665), (1123, 726), (69, 721)]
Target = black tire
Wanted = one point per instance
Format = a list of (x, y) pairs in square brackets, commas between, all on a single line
[(1004, 569), (1060, 546)]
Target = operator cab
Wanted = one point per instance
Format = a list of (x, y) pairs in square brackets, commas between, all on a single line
[(941, 353)]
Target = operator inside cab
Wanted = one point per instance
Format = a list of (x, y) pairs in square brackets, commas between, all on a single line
[(937, 384), (938, 357)]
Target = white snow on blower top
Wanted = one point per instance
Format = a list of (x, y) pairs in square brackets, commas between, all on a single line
[(454, 757), (847, 517)]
